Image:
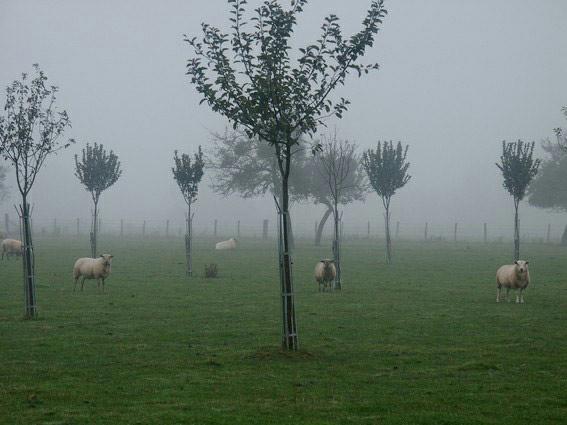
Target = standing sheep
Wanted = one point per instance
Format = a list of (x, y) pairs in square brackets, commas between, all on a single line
[(513, 276), (229, 244), (11, 247), (325, 273), (92, 268)]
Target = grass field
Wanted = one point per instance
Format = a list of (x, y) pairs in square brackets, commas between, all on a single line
[(419, 342)]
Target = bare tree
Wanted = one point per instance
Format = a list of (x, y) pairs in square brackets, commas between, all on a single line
[(97, 171), (387, 169), (338, 166), (188, 174), (29, 134), (518, 168)]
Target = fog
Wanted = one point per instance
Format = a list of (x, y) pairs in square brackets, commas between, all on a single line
[(456, 78)]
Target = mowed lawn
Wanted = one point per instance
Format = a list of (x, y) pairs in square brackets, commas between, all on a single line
[(421, 341)]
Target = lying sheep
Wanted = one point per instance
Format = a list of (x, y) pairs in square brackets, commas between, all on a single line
[(513, 276), (325, 273), (11, 247), (229, 244), (92, 268)]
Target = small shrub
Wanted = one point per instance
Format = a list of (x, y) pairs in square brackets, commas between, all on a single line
[(211, 270)]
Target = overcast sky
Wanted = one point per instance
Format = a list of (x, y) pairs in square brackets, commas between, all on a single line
[(456, 78)]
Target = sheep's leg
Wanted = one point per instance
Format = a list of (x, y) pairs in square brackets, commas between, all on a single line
[(103, 284), (82, 284), (498, 289), (518, 297), (521, 296), (98, 284), (507, 295), (75, 286)]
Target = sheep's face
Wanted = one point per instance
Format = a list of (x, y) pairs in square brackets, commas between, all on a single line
[(107, 260), (327, 263), (521, 267)]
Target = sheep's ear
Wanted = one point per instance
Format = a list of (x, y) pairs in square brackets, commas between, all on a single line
[(515, 262), (111, 256), (527, 262), (102, 256)]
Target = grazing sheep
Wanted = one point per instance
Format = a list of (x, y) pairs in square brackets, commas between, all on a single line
[(513, 276), (11, 247), (229, 244), (325, 273), (92, 268)]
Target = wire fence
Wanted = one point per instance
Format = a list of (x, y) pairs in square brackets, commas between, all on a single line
[(267, 229)]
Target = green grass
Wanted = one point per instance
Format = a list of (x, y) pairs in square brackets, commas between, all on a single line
[(419, 342)]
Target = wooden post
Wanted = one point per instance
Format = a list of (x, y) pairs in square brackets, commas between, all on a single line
[(216, 226), (265, 229), (144, 229), (167, 228), (6, 224), (121, 227), (425, 232), (238, 229), (455, 232), (54, 227), (397, 229), (485, 234), (78, 226), (548, 233), (315, 230), (368, 230)]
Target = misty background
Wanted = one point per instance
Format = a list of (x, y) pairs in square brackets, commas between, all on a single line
[(456, 78)]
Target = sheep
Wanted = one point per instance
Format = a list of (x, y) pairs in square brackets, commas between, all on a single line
[(513, 276), (92, 268), (11, 247), (224, 245), (325, 273)]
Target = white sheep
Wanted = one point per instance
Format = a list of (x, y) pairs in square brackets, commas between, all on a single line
[(513, 276), (92, 268), (325, 273), (224, 245), (11, 247)]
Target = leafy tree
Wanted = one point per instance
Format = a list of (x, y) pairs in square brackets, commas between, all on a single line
[(386, 168), (250, 78), (561, 133), (338, 166), (30, 132), (548, 189), (188, 174), (97, 171), (518, 168)]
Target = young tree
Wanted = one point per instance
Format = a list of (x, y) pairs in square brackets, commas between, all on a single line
[(3, 187), (386, 168), (188, 174), (339, 167), (251, 79), (97, 171), (561, 133), (518, 168), (30, 132)]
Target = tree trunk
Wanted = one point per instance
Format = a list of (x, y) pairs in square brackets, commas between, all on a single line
[(189, 242), (388, 237), (94, 230), (564, 237), (319, 233), (28, 262), (337, 247), (516, 232), (289, 340)]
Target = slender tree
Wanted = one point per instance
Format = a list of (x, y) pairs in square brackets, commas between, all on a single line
[(188, 174), (518, 168), (30, 132), (387, 172), (97, 170), (561, 133), (3, 187), (339, 167), (250, 77)]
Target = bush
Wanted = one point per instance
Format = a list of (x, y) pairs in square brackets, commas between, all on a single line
[(211, 270)]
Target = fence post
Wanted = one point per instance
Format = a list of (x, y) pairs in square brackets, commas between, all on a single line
[(315, 230), (485, 234), (6, 224), (265, 229), (397, 229), (238, 229), (425, 232), (144, 228), (54, 227), (368, 230), (121, 227), (548, 233), (78, 226), (216, 225), (455, 232), (167, 228)]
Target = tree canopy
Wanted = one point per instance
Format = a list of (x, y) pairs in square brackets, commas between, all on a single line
[(188, 174), (97, 170)]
